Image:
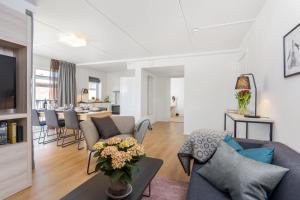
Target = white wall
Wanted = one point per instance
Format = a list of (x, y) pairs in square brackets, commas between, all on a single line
[(278, 97), (128, 94), (113, 82), (208, 87), (177, 90), (209, 91), (41, 62)]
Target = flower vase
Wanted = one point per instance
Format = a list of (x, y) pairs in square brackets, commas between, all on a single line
[(118, 189), (242, 109)]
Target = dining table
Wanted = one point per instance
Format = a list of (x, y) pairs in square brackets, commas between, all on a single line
[(82, 115)]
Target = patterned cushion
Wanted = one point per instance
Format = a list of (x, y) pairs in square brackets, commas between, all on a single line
[(202, 144)]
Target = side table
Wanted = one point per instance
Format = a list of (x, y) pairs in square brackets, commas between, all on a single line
[(236, 118)]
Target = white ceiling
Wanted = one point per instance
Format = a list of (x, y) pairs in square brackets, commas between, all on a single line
[(168, 71), (117, 30)]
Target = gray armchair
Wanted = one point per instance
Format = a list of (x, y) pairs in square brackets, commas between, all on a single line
[(125, 124)]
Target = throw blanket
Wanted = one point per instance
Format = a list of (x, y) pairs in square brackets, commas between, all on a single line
[(200, 145)]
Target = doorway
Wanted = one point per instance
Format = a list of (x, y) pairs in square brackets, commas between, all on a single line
[(177, 100), (168, 84)]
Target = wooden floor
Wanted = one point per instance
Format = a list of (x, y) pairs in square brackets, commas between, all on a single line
[(178, 119), (58, 171)]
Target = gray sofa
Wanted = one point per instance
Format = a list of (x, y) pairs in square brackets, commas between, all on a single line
[(288, 188)]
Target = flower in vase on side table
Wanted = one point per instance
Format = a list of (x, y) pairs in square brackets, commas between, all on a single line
[(117, 159), (243, 97)]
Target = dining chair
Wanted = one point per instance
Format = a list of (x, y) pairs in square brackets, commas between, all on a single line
[(36, 122), (53, 122), (72, 123)]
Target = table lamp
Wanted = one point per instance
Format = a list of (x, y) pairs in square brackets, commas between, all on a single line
[(83, 91), (243, 83)]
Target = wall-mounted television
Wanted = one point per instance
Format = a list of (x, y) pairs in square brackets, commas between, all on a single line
[(7, 82)]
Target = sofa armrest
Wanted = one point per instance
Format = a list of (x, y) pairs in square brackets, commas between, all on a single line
[(140, 130)]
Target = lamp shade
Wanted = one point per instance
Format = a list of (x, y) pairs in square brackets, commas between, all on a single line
[(243, 83), (84, 91)]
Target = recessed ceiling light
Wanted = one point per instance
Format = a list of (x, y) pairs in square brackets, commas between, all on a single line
[(72, 40), (195, 29)]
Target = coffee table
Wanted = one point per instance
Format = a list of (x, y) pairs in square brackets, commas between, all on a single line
[(94, 188)]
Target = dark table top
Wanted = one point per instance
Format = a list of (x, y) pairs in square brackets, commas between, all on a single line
[(94, 188)]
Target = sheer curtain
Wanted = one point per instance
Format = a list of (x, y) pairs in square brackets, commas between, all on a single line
[(66, 83), (53, 92)]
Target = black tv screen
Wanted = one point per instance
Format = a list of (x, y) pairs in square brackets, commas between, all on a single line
[(7, 82)]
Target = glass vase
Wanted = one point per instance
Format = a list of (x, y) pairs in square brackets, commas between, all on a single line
[(243, 108), (118, 189)]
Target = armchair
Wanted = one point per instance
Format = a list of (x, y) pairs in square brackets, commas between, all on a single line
[(125, 124)]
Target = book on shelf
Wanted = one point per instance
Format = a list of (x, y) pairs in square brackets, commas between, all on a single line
[(3, 133), (20, 137), (12, 132)]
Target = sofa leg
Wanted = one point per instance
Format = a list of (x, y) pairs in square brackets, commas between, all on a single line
[(89, 162)]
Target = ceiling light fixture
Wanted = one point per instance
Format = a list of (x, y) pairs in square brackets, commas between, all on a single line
[(72, 40), (195, 29)]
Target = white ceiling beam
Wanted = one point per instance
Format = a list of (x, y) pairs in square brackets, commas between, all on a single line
[(229, 51), (214, 26)]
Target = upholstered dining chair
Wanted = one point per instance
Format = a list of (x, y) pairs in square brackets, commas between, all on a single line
[(36, 122), (52, 122), (71, 123), (125, 124)]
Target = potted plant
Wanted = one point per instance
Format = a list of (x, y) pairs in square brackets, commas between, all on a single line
[(243, 97), (117, 159)]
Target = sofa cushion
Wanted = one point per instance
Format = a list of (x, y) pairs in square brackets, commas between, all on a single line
[(125, 124), (243, 178), (233, 143), (106, 127), (199, 188), (264, 154)]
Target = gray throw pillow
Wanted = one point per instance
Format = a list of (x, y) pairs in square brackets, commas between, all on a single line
[(106, 127), (241, 177)]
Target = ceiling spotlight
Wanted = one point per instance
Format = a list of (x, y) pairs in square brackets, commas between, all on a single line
[(195, 29), (72, 40)]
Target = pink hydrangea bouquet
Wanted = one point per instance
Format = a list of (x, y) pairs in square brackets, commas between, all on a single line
[(117, 158)]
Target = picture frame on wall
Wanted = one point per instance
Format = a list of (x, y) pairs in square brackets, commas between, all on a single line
[(291, 47)]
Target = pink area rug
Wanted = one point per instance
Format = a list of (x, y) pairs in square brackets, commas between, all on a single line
[(163, 188)]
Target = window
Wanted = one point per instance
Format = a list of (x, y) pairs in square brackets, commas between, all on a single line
[(42, 84), (94, 88)]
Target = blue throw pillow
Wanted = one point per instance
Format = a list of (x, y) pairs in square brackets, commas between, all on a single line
[(264, 154), (233, 143)]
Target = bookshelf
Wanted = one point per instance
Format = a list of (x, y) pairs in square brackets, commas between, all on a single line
[(16, 159)]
